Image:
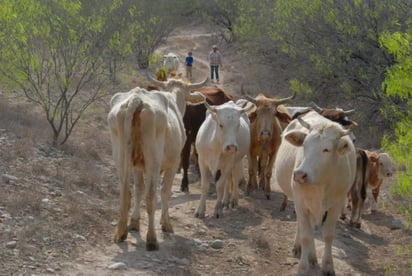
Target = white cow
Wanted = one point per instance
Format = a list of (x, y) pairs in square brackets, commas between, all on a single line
[(222, 142), (315, 167), (171, 62), (143, 125)]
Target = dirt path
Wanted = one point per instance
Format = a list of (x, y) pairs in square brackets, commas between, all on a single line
[(253, 239)]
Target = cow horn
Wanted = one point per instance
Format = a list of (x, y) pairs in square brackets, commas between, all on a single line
[(303, 123), (285, 100), (316, 107), (250, 99), (198, 84), (247, 108), (209, 107), (349, 111), (346, 132), (150, 78)]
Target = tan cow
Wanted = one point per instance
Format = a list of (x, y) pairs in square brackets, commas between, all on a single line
[(143, 126), (267, 122)]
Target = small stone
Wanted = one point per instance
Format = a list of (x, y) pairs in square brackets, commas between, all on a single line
[(78, 237), (217, 244), (9, 178), (117, 266), (11, 244), (396, 224)]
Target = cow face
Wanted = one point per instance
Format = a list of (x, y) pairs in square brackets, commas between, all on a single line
[(386, 168), (227, 119), (264, 120), (321, 149)]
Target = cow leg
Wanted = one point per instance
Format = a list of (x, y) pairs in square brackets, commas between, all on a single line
[(268, 175), (204, 182), (284, 203), (123, 170), (152, 181), (328, 232), (220, 189), (134, 223), (185, 158), (375, 196), (308, 258), (237, 176), (357, 204), (165, 197), (253, 168), (121, 229)]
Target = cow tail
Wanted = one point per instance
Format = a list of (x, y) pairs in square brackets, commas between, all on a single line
[(365, 172), (132, 124)]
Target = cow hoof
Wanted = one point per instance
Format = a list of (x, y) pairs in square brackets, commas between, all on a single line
[(120, 237), (355, 224), (296, 251), (134, 225), (328, 273), (152, 246), (168, 228), (343, 216), (184, 189), (199, 215), (268, 196)]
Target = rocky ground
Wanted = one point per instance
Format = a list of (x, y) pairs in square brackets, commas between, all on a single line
[(58, 208)]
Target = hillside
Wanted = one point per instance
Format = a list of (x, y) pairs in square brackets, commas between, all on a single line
[(58, 208)]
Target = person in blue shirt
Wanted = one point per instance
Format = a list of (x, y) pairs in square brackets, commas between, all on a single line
[(189, 65)]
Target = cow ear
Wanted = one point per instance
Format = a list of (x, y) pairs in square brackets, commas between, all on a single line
[(252, 116), (295, 137), (195, 98), (343, 146)]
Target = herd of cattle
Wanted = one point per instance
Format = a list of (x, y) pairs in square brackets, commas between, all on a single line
[(309, 150)]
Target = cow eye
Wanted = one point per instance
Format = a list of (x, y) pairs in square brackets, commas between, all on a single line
[(325, 150)]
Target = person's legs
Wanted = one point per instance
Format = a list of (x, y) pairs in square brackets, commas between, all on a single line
[(217, 73), (211, 72)]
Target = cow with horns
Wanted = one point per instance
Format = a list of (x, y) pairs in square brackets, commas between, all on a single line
[(222, 142), (267, 122)]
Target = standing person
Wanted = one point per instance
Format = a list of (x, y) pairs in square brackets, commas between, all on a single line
[(215, 59), (189, 64)]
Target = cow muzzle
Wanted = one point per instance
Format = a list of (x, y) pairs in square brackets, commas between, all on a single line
[(231, 149), (265, 135), (300, 177)]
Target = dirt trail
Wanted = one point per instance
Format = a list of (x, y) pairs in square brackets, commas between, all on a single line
[(253, 239)]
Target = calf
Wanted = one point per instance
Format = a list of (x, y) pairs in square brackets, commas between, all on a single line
[(222, 142), (381, 167)]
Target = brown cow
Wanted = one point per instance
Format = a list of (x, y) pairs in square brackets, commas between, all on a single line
[(265, 129), (193, 118)]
